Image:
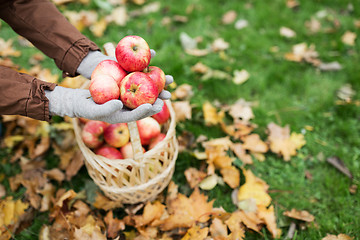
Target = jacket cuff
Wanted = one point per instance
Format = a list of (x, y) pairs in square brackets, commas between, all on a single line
[(75, 54), (37, 105)]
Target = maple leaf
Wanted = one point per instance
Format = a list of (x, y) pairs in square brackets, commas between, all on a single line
[(254, 144), (102, 202), (184, 212), (254, 188), (234, 223), (151, 215), (196, 233), (240, 152), (282, 143), (218, 229), (90, 231)]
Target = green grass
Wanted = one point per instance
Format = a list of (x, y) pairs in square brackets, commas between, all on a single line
[(290, 93)]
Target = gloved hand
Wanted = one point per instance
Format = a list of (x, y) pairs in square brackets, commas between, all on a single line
[(78, 103), (89, 63)]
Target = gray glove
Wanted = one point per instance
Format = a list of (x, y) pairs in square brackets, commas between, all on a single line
[(89, 63), (78, 103)]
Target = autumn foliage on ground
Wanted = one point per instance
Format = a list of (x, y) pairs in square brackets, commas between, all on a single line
[(224, 161)]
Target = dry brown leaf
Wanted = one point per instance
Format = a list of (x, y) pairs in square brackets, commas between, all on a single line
[(183, 110), (249, 219), (349, 38), (240, 152), (287, 32), (314, 25), (194, 176), (76, 163), (184, 212), (234, 223), (2, 191), (55, 174), (229, 17), (218, 229), (7, 50), (281, 142), (240, 76), (231, 176), (182, 92), (303, 52), (200, 68), (90, 231), (337, 237), (114, 225), (152, 212), (102, 202), (255, 188), (268, 216), (241, 111), (219, 44), (253, 143), (196, 233), (300, 215), (211, 115)]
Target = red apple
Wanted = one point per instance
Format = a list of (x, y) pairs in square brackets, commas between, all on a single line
[(157, 75), (156, 140), (148, 128), (133, 53), (109, 152), (163, 115), (109, 67), (103, 88), (117, 135), (127, 150), (137, 88), (92, 133)]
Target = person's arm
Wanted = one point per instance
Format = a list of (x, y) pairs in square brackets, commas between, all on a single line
[(46, 28), (22, 94)]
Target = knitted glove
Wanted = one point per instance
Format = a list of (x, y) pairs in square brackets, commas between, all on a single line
[(78, 103)]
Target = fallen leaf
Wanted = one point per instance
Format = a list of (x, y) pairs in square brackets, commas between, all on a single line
[(314, 25), (200, 68), (349, 38), (337, 237), (7, 50), (331, 66), (345, 93), (231, 176), (118, 15), (183, 110), (152, 212), (241, 111), (240, 76), (196, 233), (254, 144), (219, 44), (211, 116), (182, 92), (339, 165), (303, 52), (254, 188), (218, 229), (209, 182), (300, 215), (229, 17), (194, 176), (99, 27), (287, 32), (241, 23), (292, 3), (268, 216), (102, 202)]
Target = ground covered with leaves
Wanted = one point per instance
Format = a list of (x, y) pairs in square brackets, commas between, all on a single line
[(267, 105)]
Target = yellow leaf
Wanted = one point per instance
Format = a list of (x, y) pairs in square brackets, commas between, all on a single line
[(231, 176), (240, 76), (349, 38), (196, 233), (337, 237), (298, 140), (254, 188), (211, 116), (253, 143), (11, 141), (99, 28), (268, 215), (11, 210), (300, 215)]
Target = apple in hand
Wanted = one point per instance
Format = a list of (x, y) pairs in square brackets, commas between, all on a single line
[(148, 128), (163, 115), (137, 88), (117, 135), (133, 53), (156, 140), (92, 133), (108, 152), (127, 150), (157, 75), (109, 67), (103, 88)]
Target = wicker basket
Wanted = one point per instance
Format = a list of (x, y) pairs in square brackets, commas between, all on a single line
[(136, 180)]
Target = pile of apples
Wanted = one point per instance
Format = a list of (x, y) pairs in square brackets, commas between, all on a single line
[(130, 78), (113, 140), (134, 82)]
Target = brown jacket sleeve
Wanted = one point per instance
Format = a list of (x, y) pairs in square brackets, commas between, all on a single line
[(46, 28), (22, 94)]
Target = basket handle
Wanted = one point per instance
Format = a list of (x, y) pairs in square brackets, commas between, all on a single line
[(133, 129)]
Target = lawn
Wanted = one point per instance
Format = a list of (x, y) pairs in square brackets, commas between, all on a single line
[(294, 93)]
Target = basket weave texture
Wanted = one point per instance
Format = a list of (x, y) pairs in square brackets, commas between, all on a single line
[(131, 181)]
